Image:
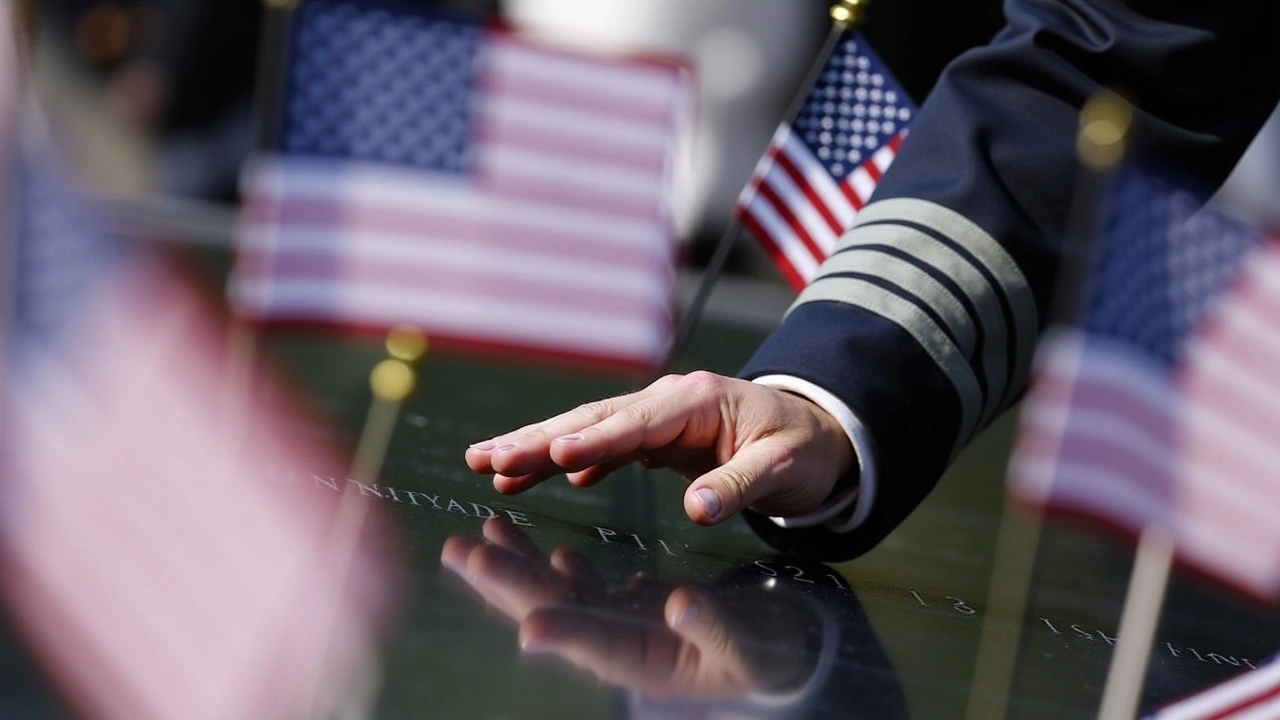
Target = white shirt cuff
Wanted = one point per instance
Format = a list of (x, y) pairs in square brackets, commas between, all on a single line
[(833, 511)]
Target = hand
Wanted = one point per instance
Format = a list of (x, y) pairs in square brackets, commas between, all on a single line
[(739, 444), (648, 635)]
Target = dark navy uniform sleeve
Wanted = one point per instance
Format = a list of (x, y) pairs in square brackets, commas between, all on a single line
[(924, 318)]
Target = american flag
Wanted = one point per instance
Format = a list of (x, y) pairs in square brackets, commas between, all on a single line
[(495, 192), (822, 165), (147, 556), (1161, 407), (1254, 695)]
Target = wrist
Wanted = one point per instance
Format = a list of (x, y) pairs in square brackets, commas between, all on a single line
[(837, 447), (849, 457)]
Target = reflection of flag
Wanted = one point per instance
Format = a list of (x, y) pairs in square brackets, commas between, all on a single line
[(147, 559), (823, 165), (1255, 695), (490, 190), (1163, 406)]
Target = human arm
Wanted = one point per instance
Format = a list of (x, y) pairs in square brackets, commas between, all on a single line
[(923, 320)]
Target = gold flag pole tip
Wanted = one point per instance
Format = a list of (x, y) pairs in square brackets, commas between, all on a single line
[(1104, 130), (849, 12), (407, 343), (392, 380)]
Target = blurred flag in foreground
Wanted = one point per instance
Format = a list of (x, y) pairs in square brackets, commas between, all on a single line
[(146, 555), (498, 194), (823, 164), (1162, 406), (1255, 695)]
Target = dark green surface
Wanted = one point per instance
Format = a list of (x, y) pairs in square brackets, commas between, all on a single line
[(924, 589), (449, 655)]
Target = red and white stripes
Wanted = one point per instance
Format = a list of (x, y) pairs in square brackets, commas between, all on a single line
[(797, 209)]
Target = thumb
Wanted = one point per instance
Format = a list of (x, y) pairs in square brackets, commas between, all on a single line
[(748, 476), (719, 657), (692, 616)]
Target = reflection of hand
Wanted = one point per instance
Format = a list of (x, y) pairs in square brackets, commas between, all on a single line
[(740, 444), (644, 635)]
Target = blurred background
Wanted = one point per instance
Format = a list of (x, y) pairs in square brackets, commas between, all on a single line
[(160, 94), (156, 99), (162, 91)]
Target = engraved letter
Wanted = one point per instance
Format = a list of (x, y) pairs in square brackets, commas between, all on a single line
[(1055, 630), (414, 495), (477, 507), (605, 533), (764, 567), (365, 490), (1172, 650), (327, 482), (518, 518), (1082, 632), (454, 504)]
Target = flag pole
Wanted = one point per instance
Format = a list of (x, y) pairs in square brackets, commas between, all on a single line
[(1101, 141), (1138, 622), (845, 16), (391, 382), (11, 98), (242, 345), (1017, 542)]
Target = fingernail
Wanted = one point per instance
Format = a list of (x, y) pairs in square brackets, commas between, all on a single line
[(689, 615), (710, 502), (485, 446), (533, 647), (571, 438), (505, 448)]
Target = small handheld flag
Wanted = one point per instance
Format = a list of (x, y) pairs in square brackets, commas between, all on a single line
[(150, 555), (1252, 695), (1155, 408), (499, 194), (824, 163)]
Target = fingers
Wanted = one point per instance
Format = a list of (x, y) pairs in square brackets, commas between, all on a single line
[(508, 485), (508, 570), (455, 553), (748, 476), (688, 411), (503, 533), (631, 654), (512, 584), (575, 567), (596, 473), (731, 656), (689, 463), (691, 615), (522, 458)]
